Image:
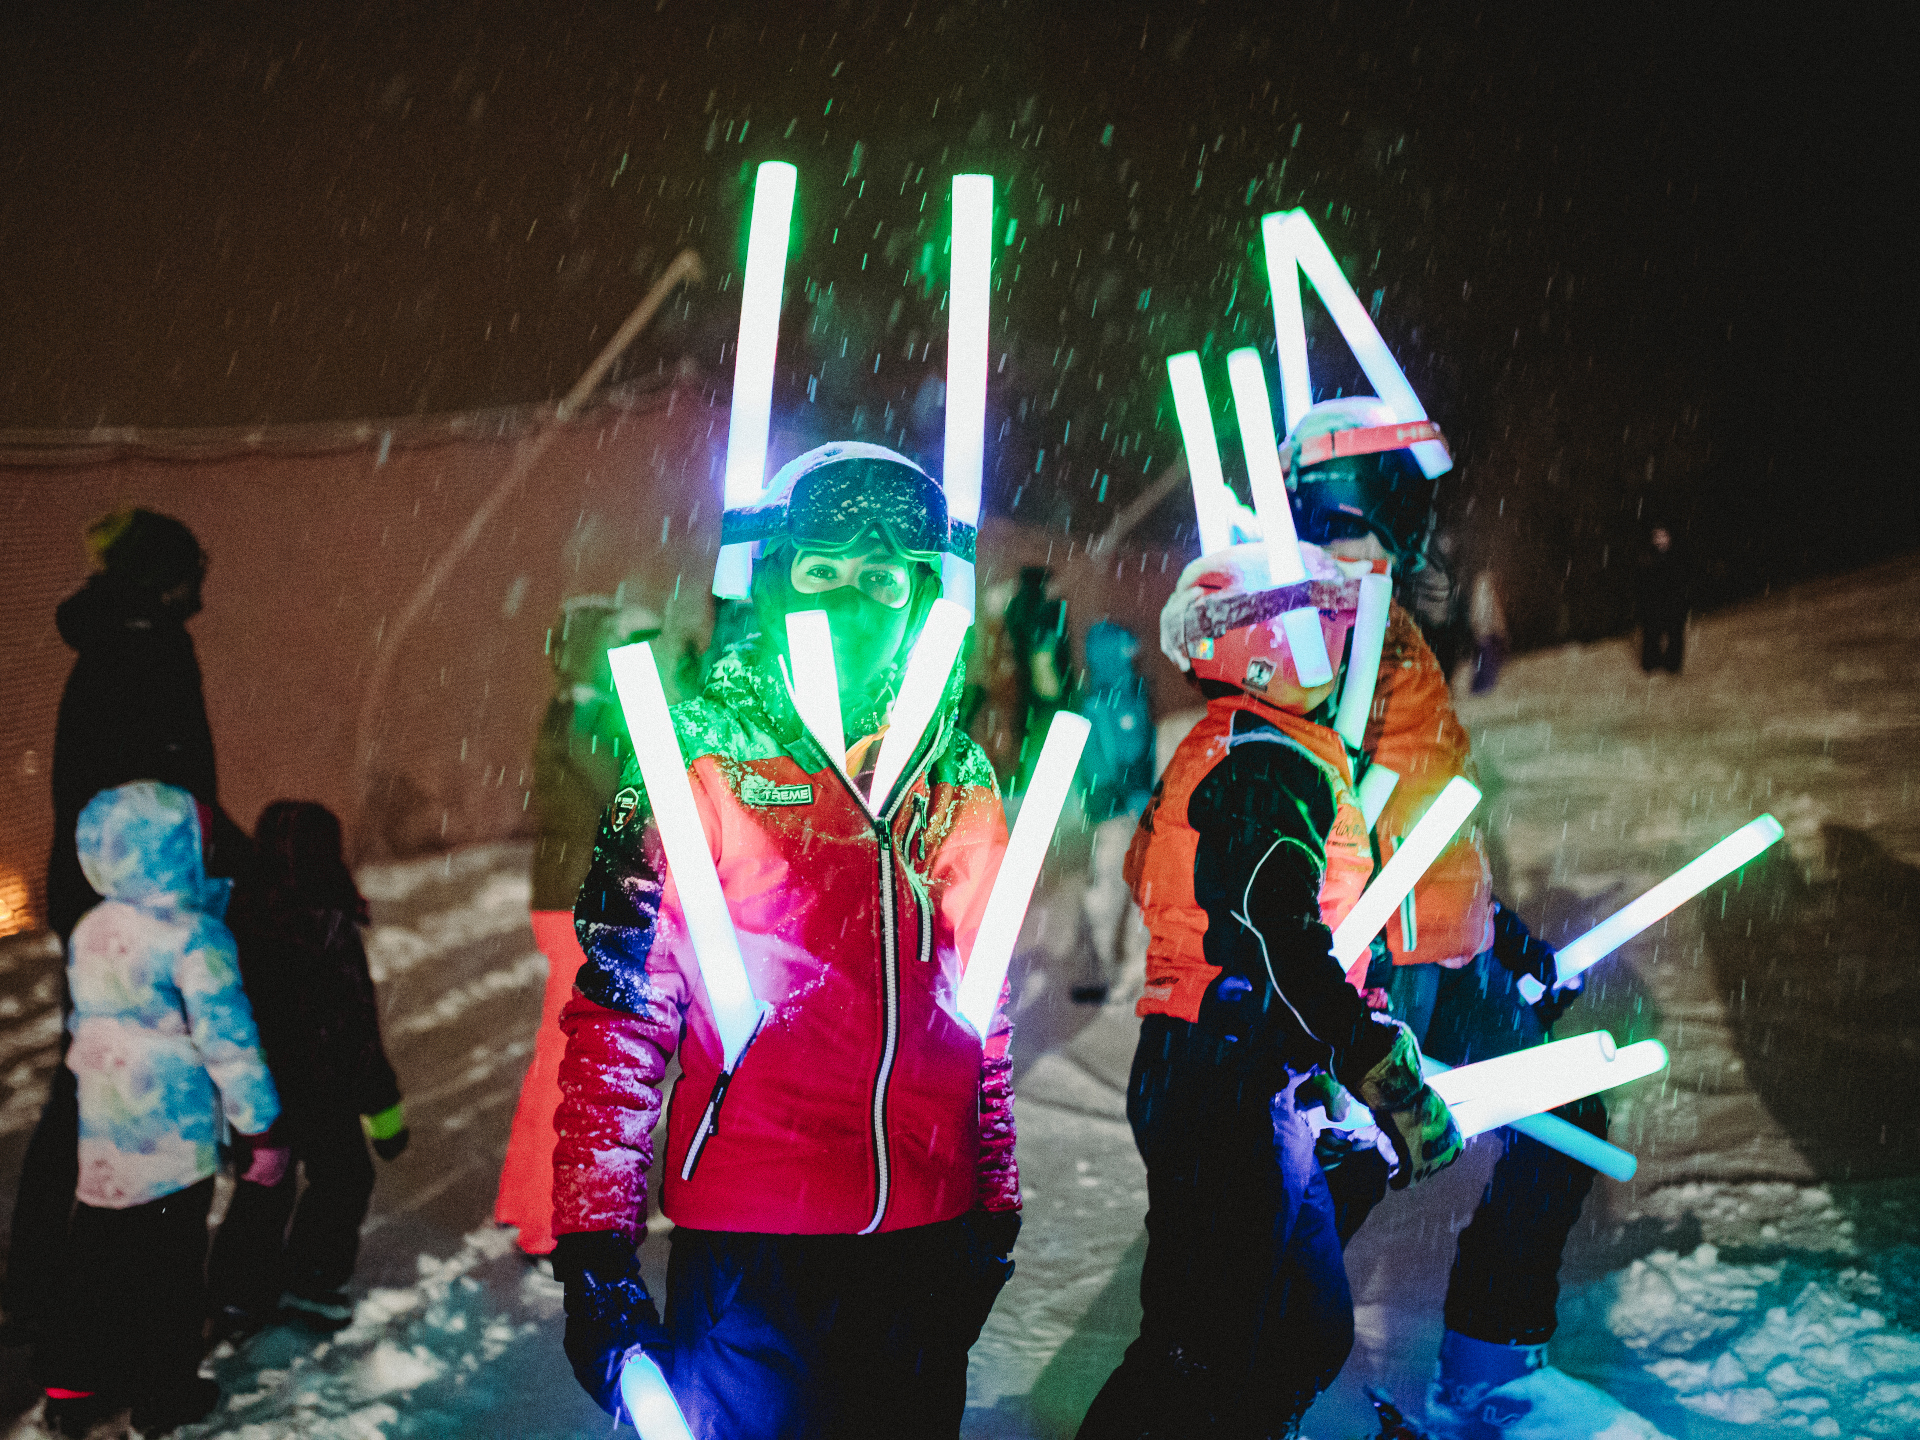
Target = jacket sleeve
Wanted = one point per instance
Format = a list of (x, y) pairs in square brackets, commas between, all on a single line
[(968, 840), (1414, 732), (622, 1025), (221, 1022), (364, 1056), (1263, 816)]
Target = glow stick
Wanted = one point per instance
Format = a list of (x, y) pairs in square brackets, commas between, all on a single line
[(816, 681), (928, 670), (1663, 899), (748, 414), (1305, 641), (649, 1402), (1375, 786), (716, 949), (1292, 242), (970, 290), (1212, 501), (1046, 796), (1492, 1093), (1262, 449), (1550, 1130), (1410, 860), (1363, 666)]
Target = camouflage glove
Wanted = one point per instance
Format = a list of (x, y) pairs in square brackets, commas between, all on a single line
[(1409, 1114)]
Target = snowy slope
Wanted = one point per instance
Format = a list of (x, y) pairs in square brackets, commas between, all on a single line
[(1759, 1278)]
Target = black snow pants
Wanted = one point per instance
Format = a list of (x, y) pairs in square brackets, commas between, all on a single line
[(49, 1172), (819, 1337), (1505, 1282), (1246, 1312), (127, 1320), (1663, 641), (256, 1256)]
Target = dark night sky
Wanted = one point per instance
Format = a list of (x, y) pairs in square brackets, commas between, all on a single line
[(1638, 267)]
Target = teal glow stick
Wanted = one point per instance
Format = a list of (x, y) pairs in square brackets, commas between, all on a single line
[(970, 290), (1662, 900), (1294, 245), (649, 1401), (750, 411)]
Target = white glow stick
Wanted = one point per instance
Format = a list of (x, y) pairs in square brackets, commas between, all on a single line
[(928, 670), (1550, 1130), (1305, 641), (1293, 243), (1046, 796), (816, 681), (1497, 1092), (1662, 900), (970, 290), (716, 949), (1363, 664), (1410, 860), (749, 413), (1262, 450), (1375, 788), (649, 1402), (1212, 501)]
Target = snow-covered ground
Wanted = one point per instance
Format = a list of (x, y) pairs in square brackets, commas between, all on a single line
[(1759, 1277)]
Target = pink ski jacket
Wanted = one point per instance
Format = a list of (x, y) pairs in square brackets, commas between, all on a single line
[(865, 1103)]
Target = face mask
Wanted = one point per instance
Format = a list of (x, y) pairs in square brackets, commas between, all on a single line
[(866, 642)]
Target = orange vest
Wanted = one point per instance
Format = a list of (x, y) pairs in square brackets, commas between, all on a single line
[(1413, 730), (1160, 861)]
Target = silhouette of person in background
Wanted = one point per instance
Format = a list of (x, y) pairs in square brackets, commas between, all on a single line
[(1662, 601)]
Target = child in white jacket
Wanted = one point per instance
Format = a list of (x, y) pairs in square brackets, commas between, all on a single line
[(166, 1057)]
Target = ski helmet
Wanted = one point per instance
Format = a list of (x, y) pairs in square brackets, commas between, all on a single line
[(1351, 472), (1222, 621), (838, 496)]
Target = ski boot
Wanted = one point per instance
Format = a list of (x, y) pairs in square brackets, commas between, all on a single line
[(1484, 1391), (1393, 1424)]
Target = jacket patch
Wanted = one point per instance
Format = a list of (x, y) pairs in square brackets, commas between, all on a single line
[(621, 810), (758, 790)]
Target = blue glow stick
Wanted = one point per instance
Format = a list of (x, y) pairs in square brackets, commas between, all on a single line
[(749, 413), (1564, 1136), (737, 1013), (970, 290), (649, 1401), (1293, 243), (1409, 862), (1663, 899), (986, 968), (928, 669), (1213, 503)]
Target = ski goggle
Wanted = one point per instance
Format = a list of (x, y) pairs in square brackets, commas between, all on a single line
[(850, 496)]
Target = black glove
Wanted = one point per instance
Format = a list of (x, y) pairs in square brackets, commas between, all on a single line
[(994, 1231), (1522, 953), (394, 1146), (608, 1310)]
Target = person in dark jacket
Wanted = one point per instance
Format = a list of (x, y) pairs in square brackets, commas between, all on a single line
[(1036, 623), (297, 918), (1662, 602), (132, 710)]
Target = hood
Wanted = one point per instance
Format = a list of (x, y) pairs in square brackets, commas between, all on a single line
[(107, 610), (140, 843), (1110, 650)]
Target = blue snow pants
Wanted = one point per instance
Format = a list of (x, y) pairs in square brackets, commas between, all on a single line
[(1505, 1283), (818, 1337), (1246, 1312)]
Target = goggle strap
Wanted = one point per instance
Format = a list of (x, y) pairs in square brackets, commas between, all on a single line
[(1372, 440)]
